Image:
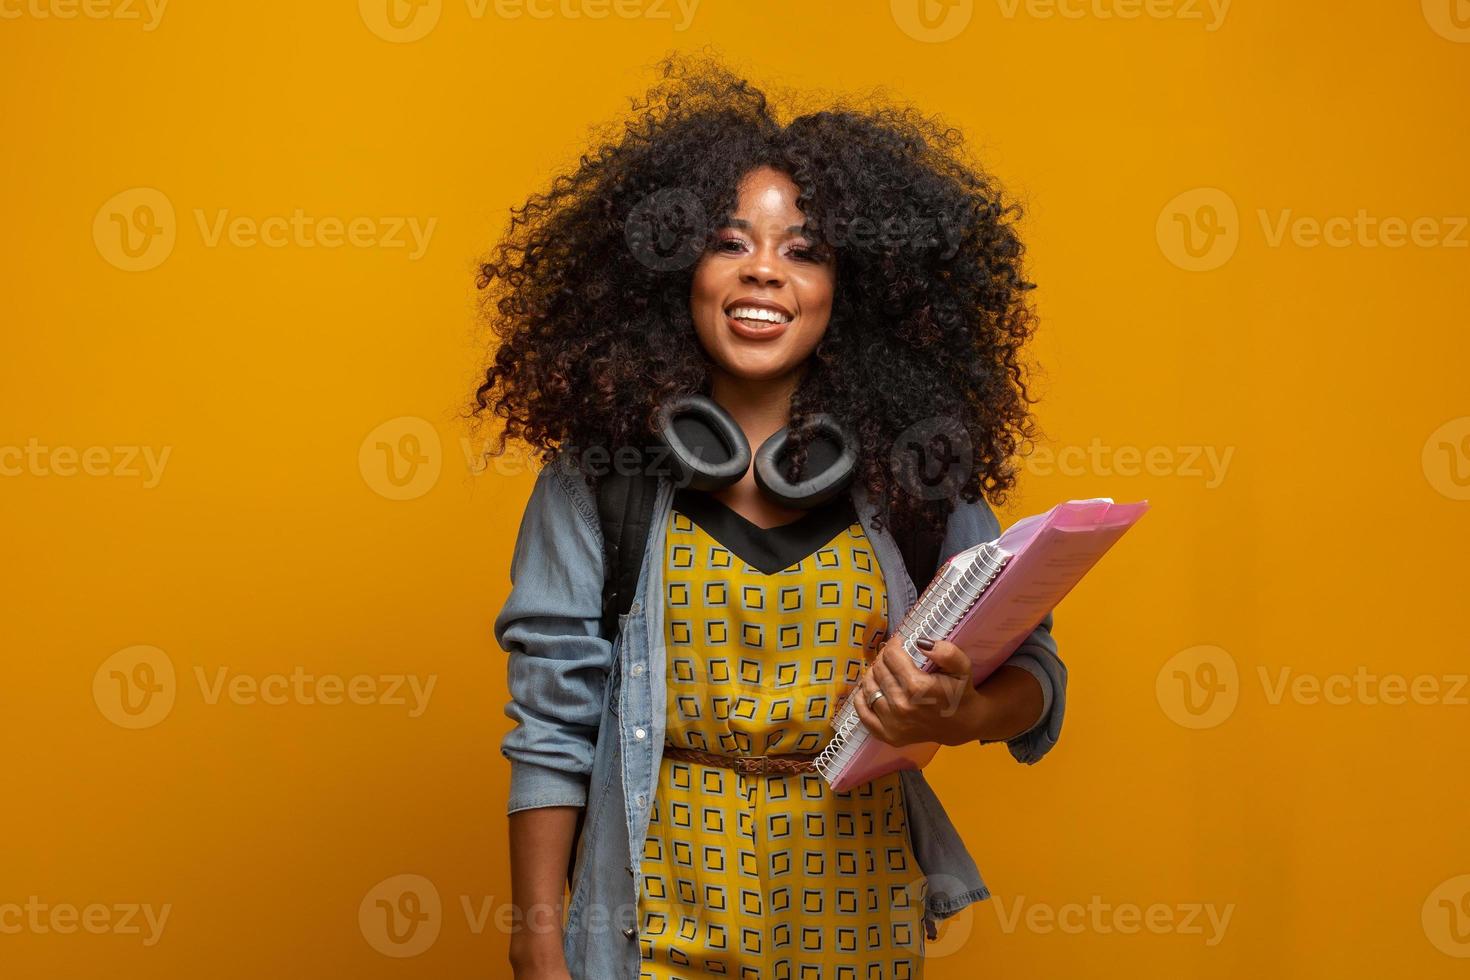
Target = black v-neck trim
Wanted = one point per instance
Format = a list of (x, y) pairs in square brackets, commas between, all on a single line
[(769, 549)]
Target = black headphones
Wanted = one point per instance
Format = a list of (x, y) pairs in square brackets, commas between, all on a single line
[(710, 452)]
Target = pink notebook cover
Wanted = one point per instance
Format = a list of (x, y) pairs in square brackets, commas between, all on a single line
[(1040, 560)]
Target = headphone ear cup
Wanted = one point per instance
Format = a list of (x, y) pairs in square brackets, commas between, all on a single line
[(708, 450), (823, 485)]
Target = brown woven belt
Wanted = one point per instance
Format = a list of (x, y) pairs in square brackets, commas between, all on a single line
[(787, 763)]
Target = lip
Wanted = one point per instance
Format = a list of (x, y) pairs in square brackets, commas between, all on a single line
[(768, 331)]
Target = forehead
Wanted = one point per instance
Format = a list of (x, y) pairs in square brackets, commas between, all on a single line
[(767, 199)]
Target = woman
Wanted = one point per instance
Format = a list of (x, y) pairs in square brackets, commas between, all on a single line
[(845, 264)]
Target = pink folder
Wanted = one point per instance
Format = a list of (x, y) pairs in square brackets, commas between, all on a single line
[(986, 599)]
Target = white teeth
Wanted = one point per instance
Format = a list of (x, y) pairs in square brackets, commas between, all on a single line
[(758, 313)]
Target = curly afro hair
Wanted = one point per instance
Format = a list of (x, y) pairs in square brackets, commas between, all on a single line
[(588, 292)]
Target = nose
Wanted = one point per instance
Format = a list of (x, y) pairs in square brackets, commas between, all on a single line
[(762, 268)]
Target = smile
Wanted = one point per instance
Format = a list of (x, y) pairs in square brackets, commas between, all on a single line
[(764, 321)]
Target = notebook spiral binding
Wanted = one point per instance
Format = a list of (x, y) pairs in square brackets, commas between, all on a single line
[(937, 612)]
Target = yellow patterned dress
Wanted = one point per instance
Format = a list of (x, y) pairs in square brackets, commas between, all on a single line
[(763, 876)]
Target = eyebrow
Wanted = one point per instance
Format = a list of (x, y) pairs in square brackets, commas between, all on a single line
[(742, 223)]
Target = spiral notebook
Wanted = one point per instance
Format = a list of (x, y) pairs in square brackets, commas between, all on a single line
[(986, 599)]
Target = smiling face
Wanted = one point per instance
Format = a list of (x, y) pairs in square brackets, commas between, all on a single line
[(762, 294)]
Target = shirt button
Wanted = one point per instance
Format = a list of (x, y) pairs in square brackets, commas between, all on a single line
[(637, 670), (633, 609), (642, 799), (640, 733), (630, 932)]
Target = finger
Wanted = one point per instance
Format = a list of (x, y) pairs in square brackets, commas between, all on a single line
[(949, 659), (884, 670), (870, 719), (884, 680), (864, 687), (905, 672)]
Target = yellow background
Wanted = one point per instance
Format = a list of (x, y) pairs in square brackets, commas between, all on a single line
[(1332, 543)]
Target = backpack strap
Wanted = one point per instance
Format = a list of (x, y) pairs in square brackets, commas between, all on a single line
[(625, 509), (921, 556)]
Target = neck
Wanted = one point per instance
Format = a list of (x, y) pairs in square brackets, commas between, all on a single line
[(760, 407)]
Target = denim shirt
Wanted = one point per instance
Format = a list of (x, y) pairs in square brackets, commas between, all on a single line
[(589, 711)]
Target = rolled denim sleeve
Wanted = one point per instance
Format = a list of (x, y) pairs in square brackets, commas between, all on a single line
[(550, 629), (969, 525)]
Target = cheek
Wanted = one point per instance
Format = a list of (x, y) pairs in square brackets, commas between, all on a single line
[(815, 291)]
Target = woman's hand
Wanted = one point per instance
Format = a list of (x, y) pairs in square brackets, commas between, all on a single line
[(945, 706), (918, 706)]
